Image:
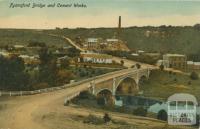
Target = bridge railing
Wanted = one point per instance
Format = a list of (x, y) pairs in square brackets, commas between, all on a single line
[(22, 93)]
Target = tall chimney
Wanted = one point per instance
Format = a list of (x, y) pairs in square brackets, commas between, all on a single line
[(119, 28)]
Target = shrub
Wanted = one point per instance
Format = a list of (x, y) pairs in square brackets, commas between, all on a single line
[(162, 67), (194, 76), (106, 118), (138, 66)]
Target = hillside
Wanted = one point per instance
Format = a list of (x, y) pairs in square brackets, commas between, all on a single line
[(185, 40), (24, 37), (163, 84), (155, 39)]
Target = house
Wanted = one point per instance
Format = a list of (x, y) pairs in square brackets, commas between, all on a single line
[(95, 58), (4, 54), (30, 59), (193, 65), (111, 41), (175, 61), (92, 43), (19, 47)]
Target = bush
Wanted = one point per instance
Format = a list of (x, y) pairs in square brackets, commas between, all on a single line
[(106, 118), (138, 66), (162, 67), (140, 111), (194, 76)]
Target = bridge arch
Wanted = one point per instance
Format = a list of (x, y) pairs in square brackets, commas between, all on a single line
[(104, 97), (127, 85)]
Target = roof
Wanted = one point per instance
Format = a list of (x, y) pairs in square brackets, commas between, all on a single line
[(18, 46), (175, 55), (135, 54), (26, 56), (112, 40), (190, 62), (95, 55), (196, 63), (93, 40), (183, 97)]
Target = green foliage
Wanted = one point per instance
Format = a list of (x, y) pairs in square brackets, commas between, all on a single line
[(194, 76), (162, 115), (161, 67), (73, 52), (12, 74), (48, 68), (64, 63), (106, 118)]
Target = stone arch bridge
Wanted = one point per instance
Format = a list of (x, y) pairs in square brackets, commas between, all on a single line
[(112, 83)]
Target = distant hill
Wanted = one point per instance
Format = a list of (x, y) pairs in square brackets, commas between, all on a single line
[(183, 40), (24, 37)]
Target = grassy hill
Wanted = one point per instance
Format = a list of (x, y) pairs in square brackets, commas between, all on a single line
[(162, 84), (24, 37), (155, 39), (185, 40)]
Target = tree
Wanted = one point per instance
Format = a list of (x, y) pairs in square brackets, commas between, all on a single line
[(12, 74), (161, 67), (73, 52), (122, 62), (64, 63), (48, 67), (106, 118), (138, 66), (194, 76), (162, 115)]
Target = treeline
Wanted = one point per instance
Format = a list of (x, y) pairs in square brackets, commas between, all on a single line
[(12, 74), (15, 76)]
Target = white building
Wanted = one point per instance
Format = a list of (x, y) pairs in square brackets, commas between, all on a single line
[(91, 43), (4, 53), (95, 58), (175, 61), (193, 65)]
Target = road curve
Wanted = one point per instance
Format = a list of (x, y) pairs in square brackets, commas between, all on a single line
[(27, 112)]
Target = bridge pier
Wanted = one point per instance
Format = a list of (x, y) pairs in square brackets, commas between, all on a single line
[(114, 87), (92, 85)]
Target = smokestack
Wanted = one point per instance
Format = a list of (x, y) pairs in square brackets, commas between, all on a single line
[(119, 28)]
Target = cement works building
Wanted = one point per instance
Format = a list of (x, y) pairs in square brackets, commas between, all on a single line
[(95, 58)]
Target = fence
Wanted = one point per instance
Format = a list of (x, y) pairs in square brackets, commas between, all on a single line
[(22, 93)]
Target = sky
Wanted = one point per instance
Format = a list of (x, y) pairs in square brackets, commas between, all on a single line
[(100, 13)]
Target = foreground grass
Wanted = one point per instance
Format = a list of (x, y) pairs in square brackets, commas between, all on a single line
[(162, 84)]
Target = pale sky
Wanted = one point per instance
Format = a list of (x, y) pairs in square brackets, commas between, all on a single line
[(100, 13)]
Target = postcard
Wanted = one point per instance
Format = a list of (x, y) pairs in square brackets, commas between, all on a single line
[(99, 64)]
